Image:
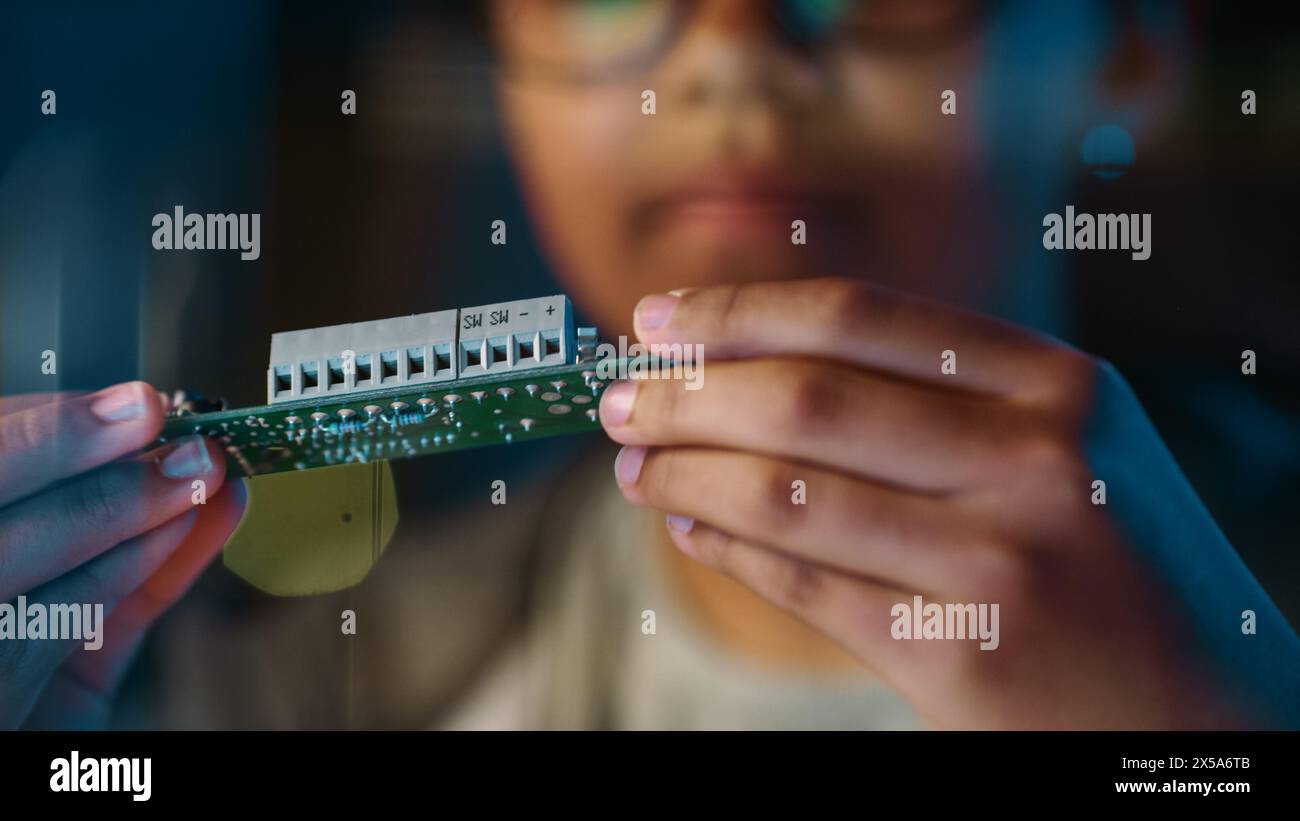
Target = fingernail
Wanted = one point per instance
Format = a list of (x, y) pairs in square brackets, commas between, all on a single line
[(680, 524), (120, 403), (655, 310), (616, 403), (189, 458), (627, 465)]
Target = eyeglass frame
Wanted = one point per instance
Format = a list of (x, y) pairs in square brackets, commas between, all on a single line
[(679, 19)]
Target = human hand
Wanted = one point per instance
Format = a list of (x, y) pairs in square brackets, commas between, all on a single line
[(81, 525), (974, 486)]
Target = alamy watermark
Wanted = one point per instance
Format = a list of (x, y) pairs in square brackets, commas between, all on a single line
[(25, 621), (930, 620), (128, 775), (1101, 232), (658, 360), (208, 232)]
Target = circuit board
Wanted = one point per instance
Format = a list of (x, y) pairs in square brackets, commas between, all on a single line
[(400, 422)]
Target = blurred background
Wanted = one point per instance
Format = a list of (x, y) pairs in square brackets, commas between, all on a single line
[(234, 106)]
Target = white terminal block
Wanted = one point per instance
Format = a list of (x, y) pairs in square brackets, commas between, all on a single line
[(421, 348), (362, 356), (511, 336)]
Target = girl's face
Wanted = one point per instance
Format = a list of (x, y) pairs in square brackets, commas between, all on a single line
[(665, 145)]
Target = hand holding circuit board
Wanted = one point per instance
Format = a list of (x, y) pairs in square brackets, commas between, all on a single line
[(85, 516), (860, 454), (841, 460), (116, 519)]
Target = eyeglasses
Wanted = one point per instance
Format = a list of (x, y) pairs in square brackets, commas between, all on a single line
[(598, 39)]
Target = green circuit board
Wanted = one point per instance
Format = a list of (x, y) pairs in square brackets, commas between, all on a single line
[(400, 423)]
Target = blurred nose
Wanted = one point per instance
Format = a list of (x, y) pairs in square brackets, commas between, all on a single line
[(732, 57)]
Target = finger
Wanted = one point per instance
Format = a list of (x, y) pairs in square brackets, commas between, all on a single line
[(45, 536), (167, 581), (897, 432), (903, 539), (44, 444), (851, 610), (23, 401), (859, 323), (86, 595)]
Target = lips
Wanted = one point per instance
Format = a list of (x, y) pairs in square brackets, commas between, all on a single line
[(730, 204), (738, 206)]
